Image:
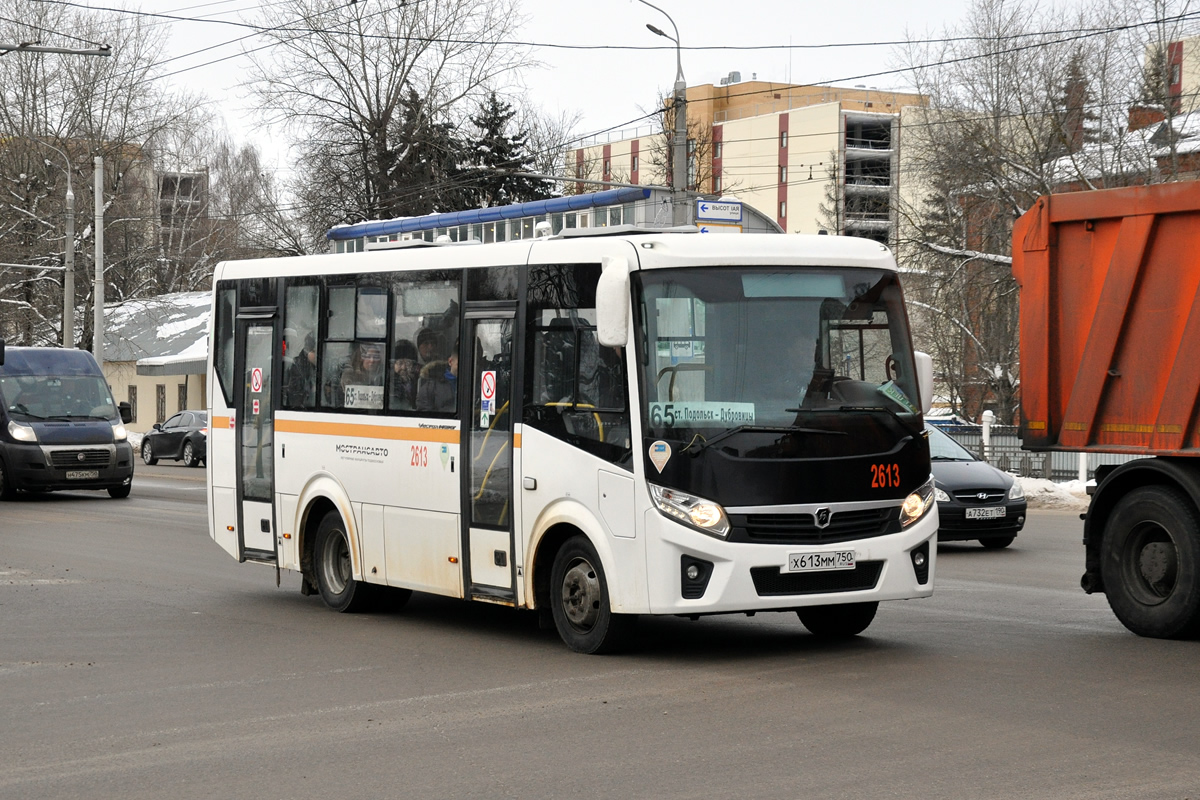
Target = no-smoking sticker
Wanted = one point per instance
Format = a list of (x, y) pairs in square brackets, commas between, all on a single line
[(256, 379), (487, 392)]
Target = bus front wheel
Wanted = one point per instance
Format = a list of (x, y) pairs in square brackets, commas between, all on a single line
[(579, 600), (335, 571), (838, 621)]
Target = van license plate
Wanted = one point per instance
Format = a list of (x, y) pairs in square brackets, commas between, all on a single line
[(83, 474), (994, 512), (820, 562)]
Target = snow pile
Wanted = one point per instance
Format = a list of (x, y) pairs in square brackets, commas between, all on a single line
[(1041, 493)]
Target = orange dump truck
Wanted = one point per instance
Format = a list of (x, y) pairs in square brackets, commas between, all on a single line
[(1110, 362)]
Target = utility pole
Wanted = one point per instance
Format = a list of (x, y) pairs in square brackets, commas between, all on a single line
[(68, 323), (679, 182), (98, 291)]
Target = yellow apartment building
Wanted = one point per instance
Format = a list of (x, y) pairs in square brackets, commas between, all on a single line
[(810, 157)]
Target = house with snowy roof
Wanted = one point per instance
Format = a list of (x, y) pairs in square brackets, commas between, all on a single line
[(156, 354)]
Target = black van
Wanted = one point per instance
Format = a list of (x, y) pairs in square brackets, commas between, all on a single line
[(59, 427)]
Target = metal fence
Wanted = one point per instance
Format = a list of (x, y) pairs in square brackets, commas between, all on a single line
[(1004, 452)]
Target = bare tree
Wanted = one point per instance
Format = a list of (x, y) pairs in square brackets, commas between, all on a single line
[(372, 96), (1024, 101)]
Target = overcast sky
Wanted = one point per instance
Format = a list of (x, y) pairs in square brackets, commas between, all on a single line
[(611, 87)]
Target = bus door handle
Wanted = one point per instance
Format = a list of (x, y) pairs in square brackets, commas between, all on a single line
[(529, 483)]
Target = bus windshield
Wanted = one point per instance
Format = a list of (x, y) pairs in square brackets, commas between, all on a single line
[(743, 348), (56, 397)]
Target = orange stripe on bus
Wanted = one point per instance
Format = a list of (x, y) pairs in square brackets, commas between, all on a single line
[(361, 431), (220, 422)]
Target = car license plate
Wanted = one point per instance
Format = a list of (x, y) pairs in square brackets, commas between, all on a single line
[(820, 562), (83, 474), (992, 512)]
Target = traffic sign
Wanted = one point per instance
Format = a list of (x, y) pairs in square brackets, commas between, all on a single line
[(712, 227), (719, 210)]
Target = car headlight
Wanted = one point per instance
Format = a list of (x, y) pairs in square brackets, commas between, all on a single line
[(940, 496), (119, 432), (22, 433), (917, 504), (703, 515), (1016, 492)]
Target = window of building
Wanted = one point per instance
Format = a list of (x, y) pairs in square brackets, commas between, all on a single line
[(716, 184), (181, 396), (717, 147), (783, 174), (133, 403), (783, 138), (633, 163), (783, 209), (160, 403), (574, 387)]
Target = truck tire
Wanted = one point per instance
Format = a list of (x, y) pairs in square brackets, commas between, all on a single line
[(1150, 563)]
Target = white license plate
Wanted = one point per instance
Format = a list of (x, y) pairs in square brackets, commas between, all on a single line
[(83, 474), (992, 512), (820, 562)]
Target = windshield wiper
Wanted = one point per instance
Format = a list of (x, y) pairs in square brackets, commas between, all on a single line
[(706, 443), (896, 416)]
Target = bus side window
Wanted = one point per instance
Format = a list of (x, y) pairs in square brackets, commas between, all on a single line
[(574, 387)]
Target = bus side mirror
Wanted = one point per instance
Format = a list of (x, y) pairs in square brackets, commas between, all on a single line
[(126, 412), (924, 379), (1, 352), (612, 302)]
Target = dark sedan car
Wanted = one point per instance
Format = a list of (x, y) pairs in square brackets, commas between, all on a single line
[(975, 500), (182, 437)]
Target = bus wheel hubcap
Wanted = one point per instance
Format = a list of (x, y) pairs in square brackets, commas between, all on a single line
[(581, 595)]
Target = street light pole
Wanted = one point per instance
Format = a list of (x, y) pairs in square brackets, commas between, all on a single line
[(679, 185), (98, 291), (68, 317)]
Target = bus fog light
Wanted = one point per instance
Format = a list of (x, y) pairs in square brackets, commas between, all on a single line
[(918, 559), (694, 575), (693, 572)]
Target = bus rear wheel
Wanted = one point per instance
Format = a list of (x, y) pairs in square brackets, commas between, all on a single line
[(335, 570), (579, 600), (839, 621), (1150, 563)]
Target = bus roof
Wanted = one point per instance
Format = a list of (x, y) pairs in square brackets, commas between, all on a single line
[(647, 250)]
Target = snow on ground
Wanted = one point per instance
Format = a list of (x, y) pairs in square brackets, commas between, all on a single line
[(1041, 493)]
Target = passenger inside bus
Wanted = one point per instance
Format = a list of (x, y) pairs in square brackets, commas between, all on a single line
[(300, 388), (405, 373), (437, 389), (365, 370)]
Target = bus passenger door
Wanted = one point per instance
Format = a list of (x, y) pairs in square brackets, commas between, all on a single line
[(255, 393), (487, 368)]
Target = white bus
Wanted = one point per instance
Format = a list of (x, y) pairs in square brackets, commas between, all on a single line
[(593, 426)]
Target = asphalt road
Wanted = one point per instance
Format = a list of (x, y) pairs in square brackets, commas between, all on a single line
[(137, 660)]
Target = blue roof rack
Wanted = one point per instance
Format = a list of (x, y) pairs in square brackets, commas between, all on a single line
[(555, 205)]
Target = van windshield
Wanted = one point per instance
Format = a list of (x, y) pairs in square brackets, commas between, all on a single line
[(33, 398)]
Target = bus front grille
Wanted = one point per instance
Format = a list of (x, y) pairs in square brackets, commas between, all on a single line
[(844, 526), (770, 581)]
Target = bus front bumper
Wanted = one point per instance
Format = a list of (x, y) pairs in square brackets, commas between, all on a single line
[(700, 574)]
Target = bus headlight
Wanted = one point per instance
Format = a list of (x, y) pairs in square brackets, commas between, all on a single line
[(917, 504), (22, 433), (119, 432), (703, 515)]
